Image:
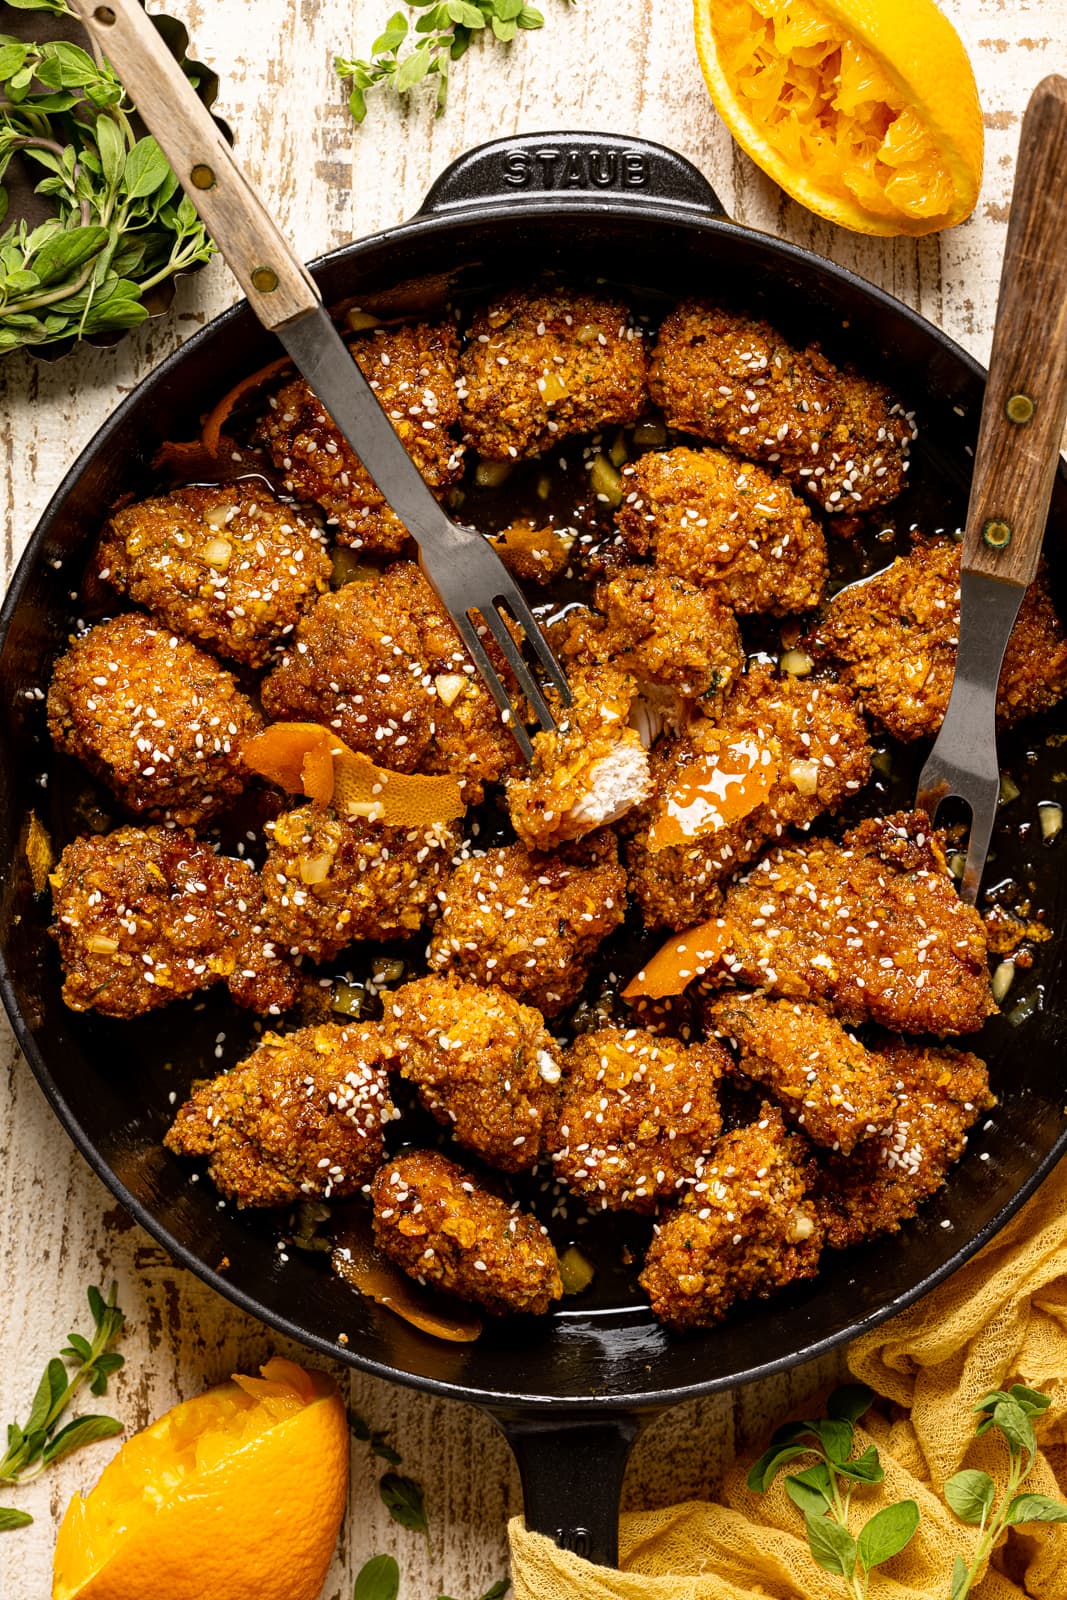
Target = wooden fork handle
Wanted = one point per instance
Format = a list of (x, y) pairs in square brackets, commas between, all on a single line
[(277, 285), (1026, 397)]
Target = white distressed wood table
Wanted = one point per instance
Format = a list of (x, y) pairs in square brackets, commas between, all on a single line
[(629, 67)]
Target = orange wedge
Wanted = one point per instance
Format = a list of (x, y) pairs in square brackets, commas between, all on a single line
[(237, 1494), (866, 111)]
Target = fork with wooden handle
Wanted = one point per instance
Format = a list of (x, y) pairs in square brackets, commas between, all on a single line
[(1015, 464), (467, 574)]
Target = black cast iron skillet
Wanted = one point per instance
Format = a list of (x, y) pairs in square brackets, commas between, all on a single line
[(570, 1393)]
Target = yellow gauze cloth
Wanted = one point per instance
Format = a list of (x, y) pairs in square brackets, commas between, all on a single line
[(1001, 1319)]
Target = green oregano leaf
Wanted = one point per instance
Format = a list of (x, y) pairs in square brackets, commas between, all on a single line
[(378, 1579), (886, 1533), (403, 1499), (970, 1495), (831, 1546), (1035, 1508)]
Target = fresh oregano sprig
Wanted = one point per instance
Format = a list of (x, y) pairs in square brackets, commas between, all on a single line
[(823, 1492), (40, 1441), (972, 1495), (405, 55), (119, 226)]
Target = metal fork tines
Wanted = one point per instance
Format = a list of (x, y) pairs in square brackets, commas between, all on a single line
[(963, 763), (467, 574)]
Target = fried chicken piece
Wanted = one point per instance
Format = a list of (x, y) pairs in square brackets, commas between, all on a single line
[(529, 922), (442, 1226), (841, 438), (330, 880), (666, 632), (538, 367), (811, 752), (885, 1181), (747, 1228), (728, 525), (413, 370), (381, 664), (301, 1116), (485, 1066), (157, 720), (638, 1115), (821, 1076), (226, 564), (872, 928), (590, 771), (893, 640), (144, 916)]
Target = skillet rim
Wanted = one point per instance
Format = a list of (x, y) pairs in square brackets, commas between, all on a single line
[(646, 208)]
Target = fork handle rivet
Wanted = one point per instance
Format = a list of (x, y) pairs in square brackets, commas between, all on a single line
[(1019, 408), (997, 533)]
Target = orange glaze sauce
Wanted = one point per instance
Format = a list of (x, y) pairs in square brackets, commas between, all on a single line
[(685, 957), (357, 1259), (718, 789)]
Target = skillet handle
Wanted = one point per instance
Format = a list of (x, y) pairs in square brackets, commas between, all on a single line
[(572, 1472), (277, 284), (554, 167)]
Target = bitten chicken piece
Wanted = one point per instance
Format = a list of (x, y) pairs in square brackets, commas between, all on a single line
[(885, 1181), (821, 1076), (484, 1065), (893, 640), (638, 1116), (227, 564), (728, 525), (442, 1226), (330, 880), (301, 1116), (591, 770), (669, 634), (746, 1229), (783, 751), (381, 664), (156, 719), (539, 367), (529, 922), (872, 928), (144, 916), (734, 380), (413, 371)]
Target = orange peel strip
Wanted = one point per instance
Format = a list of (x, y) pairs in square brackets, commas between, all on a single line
[(306, 758), (685, 957), (717, 790), (218, 416)]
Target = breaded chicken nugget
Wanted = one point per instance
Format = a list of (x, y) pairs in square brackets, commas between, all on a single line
[(442, 1226), (872, 928), (800, 747), (381, 664), (530, 922), (144, 916), (484, 1065), (941, 1095), (842, 439), (893, 640), (638, 1115), (728, 525), (330, 880), (413, 371), (157, 720), (748, 1227), (301, 1116), (538, 367), (226, 564), (821, 1076)]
